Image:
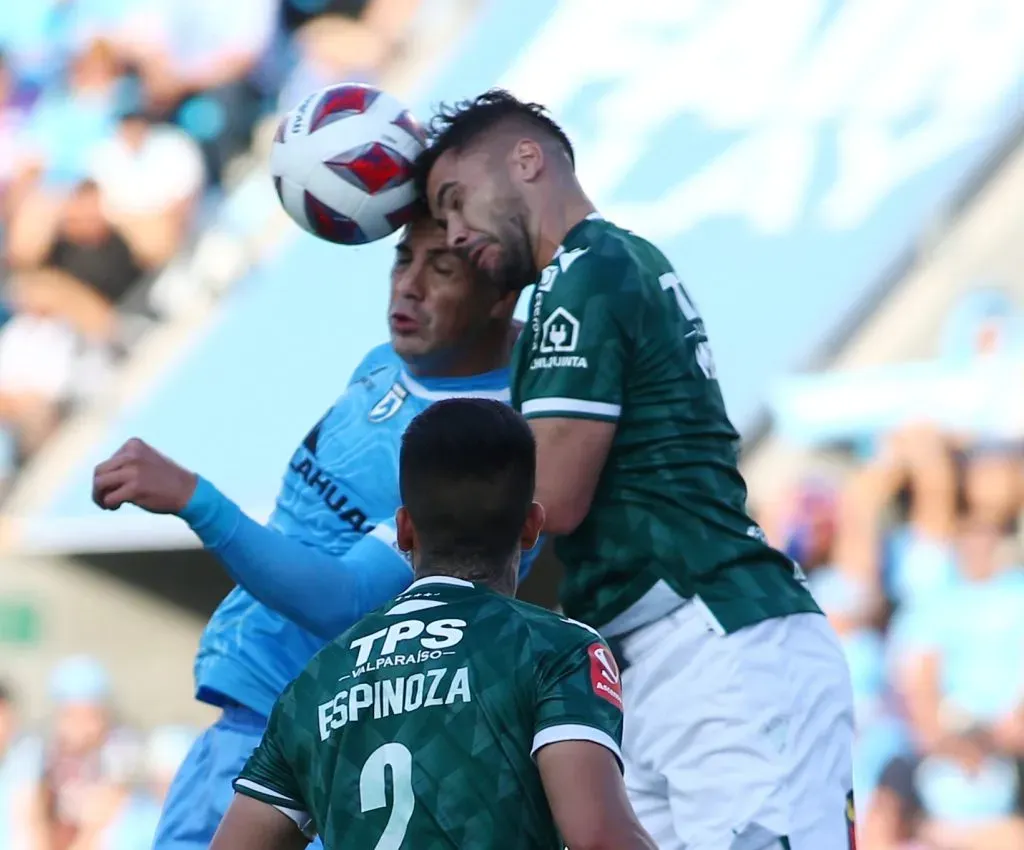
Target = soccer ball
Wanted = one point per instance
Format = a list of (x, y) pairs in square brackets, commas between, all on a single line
[(342, 163)]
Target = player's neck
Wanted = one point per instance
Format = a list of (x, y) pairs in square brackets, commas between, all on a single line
[(505, 586), (503, 583), (562, 211), (487, 354)]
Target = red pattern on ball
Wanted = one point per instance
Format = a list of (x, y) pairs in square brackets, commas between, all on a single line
[(340, 102), (403, 215), (331, 225), (372, 168), (411, 126)]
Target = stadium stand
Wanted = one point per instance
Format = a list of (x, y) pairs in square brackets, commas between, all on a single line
[(841, 184)]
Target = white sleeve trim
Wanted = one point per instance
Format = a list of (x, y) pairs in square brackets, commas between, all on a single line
[(264, 790), (575, 732), (300, 818), (571, 405)]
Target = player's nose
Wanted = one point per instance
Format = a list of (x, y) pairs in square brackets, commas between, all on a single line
[(456, 231), (409, 284)]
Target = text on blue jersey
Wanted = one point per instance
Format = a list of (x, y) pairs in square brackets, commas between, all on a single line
[(328, 554)]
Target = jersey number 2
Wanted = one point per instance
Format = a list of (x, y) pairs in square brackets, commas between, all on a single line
[(686, 307), (373, 791)]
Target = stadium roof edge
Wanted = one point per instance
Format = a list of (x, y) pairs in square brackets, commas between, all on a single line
[(978, 240), (942, 222)]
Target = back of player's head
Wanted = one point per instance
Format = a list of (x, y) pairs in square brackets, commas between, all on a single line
[(455, 127), (467, 475)]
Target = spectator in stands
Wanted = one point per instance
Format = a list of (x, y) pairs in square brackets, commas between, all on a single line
[(74, 793), (65, 125), (134, 824), (35, 35), (329, 49), (197, 61), (151, 178), (805, 526), (342, 40), (958, 650), (125, 804), (19, 767), (14, 107), (389, 18), (914, 469), (58, 345)]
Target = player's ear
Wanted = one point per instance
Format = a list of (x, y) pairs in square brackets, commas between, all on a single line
[(532, 527), (404, 530), (526, 160)]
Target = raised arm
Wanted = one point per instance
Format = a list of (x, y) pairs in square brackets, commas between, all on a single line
[(324, 593), (321, 592)]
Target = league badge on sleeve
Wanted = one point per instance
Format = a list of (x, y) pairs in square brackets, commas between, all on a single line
[(604, 674)]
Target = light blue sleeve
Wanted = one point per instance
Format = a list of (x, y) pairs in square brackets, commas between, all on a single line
[(323, 593)]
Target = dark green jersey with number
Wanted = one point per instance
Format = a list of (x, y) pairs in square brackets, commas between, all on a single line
[(417, 727), (613, 336)]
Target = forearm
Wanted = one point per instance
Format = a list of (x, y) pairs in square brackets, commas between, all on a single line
[(323, 593)]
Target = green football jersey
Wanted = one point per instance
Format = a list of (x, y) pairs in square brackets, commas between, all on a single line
[(418, 726), (612, 335)]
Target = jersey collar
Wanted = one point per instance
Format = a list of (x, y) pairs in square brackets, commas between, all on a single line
[(493, 385), (456, 582), (594, 216)]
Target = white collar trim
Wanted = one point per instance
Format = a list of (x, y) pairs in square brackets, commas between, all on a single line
[(457, 582), (417, 389)]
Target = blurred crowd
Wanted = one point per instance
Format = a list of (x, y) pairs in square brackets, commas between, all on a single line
[(122, 123), (915, 555), (84, 781)]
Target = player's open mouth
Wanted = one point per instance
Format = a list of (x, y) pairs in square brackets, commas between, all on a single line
[(402, 323)]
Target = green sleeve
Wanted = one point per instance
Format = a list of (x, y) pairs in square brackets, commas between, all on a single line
[(579, 698), (268, 775), (580, 342)]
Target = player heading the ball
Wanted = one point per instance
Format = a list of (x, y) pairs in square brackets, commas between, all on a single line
[(455, 716)]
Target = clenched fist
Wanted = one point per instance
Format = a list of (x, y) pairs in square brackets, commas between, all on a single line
[(139, 475)]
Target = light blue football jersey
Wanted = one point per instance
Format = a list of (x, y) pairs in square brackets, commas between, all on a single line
[(340, 483)]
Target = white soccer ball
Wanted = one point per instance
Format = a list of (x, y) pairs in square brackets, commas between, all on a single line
[(342, 163)]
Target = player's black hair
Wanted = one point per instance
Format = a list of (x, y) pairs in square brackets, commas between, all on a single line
[(467, 473), (454, 126)]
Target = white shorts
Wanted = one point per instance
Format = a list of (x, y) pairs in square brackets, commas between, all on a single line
[(740, 741)]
